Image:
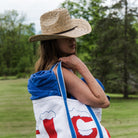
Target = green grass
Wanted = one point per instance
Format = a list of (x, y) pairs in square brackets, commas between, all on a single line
[(121, 118), (16, 112), (17, 118), (8, 77)]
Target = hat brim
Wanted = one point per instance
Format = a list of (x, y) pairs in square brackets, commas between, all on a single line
[(81, 27)]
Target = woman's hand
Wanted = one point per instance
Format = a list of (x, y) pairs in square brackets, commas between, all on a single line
[(71, 62)]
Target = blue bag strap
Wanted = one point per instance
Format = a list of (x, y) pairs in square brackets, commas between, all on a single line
[(53, 66), (96, 121), (64, 95)]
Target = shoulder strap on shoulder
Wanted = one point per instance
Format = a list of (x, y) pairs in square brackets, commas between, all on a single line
[(64, 96)]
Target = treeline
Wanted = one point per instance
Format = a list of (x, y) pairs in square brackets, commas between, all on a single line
[(111, 50), (16, 53)]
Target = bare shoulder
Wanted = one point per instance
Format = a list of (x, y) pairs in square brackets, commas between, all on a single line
[(70, 78), (67, 73)]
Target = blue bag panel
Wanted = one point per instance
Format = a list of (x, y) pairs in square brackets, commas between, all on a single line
[(42, 84)]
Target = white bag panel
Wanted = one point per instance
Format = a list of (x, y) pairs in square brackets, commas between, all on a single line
[(53, 108)]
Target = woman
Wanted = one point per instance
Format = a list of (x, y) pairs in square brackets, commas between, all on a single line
[(64, 49), (58, 43)]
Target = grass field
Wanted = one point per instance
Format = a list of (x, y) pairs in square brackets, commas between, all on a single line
[(17, 119), (16, 113)]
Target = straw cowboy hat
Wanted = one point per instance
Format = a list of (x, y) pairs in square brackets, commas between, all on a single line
[(58, 24)]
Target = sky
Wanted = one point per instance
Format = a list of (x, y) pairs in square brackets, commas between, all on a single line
[(32, 9)]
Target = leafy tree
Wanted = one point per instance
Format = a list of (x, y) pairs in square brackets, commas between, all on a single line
[(14, 45), (127, 47), (110, 50)]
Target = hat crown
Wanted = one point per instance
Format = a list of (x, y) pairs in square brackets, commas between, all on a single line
[(55, 21)]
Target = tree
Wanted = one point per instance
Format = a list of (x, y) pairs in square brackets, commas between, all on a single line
[(14, 43), (127, 14), (109, 46)]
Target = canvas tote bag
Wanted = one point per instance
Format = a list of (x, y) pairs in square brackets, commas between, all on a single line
[(61, 117)]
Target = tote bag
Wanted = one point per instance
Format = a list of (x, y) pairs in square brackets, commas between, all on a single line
[(61, 117)]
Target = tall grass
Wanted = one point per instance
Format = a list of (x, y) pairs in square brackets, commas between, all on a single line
[(17, 118)]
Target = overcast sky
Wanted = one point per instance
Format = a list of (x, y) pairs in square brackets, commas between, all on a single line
[(33, 9)]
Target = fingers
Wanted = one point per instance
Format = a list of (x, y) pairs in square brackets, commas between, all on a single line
[(61, 59), (65, 59), (65, 62), (71, 62)]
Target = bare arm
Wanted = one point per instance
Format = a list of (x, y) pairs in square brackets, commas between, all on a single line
[(90, 94)]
